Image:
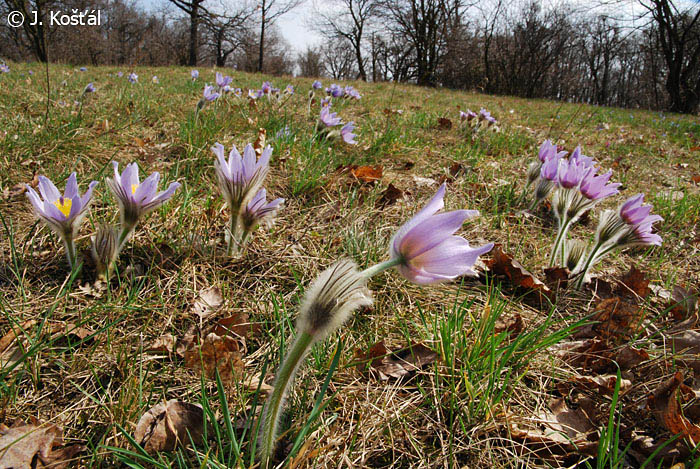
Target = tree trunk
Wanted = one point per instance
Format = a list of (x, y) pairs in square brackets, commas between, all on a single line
[(194, 26), (262, 41)]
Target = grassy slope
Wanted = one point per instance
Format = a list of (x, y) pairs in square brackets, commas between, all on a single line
[(109, 381)]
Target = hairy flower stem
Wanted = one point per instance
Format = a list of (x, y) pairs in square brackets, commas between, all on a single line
[(71, 255), (237, 235), (559, 242), (590, 262), (381, 267), (273, 407)]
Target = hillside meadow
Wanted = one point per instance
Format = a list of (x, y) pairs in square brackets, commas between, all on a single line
[(511, 368)]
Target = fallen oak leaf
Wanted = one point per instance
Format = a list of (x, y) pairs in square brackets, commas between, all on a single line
[(634, 282), (35, 445), (164, 427), (443, 123), (616, 320), (389, 197), (259, 144), (367, 174), (208, 302), (502, 264), (216, 353), (395, 364), (665, 405)]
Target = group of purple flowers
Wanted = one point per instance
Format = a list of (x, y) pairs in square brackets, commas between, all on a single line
[(337, 91), (577, 186), (478, 121), (64, 214), (327, 126), (240, 181)]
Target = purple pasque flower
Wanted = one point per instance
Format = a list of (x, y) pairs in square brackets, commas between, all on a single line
[(571, 173), (62, 213), (580, 158), (259, 211), (266, 87), (596, 187), (222, 80), (335, 90), (210, 94), (237, 92), (352, 92), (120, 74), (426, 248), (469, 115), (328, 118), (155, 79), (90, 88), (326, 102), (485, 115), (347, 135), (194, 74), (83, 69), (133, 78), (317, 85), (136, 198), (639, 220), (550, 169), (289, 89), (5, 69), (241, 176), (548, 150)]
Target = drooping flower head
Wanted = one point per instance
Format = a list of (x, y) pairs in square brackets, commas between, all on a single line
[(347, 135), (596, 187), (351, 92), (335, 90), (571, 173), (328, 118), (316, 85), (222, 80), (639, 220), (259, 211), (83, 69), (241, 176), (427, 248), (210, 94), (581, 159), (90, 88), (485, 115), (550, 169), (194, 74), (62, 213), (469, 115), (136, 198), (548, 150), (133, 78)]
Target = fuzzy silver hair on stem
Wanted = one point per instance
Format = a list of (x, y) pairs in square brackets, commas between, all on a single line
[(328, 303)]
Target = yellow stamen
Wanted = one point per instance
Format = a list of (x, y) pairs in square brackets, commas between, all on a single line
[(64, 205), (133, 188)]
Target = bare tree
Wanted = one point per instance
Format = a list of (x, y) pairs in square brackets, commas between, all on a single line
[(270, 11), (347, 20), (195, 10), (36, 31), (678, 33), (226, 31), (310, 62)]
